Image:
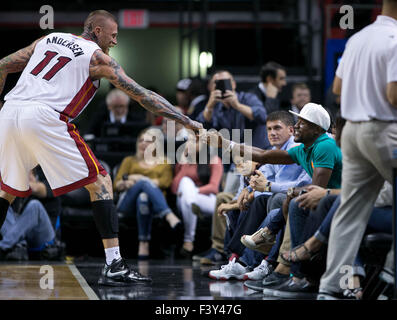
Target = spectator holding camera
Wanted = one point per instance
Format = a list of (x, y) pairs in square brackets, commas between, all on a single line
[(229, 109)]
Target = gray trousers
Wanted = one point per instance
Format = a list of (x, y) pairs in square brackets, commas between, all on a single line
[(367, 163)]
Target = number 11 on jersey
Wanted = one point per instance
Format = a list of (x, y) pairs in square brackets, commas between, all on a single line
[(49, 55)]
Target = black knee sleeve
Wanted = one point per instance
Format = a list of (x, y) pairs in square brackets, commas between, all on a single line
[(4, 205), (106, 219)]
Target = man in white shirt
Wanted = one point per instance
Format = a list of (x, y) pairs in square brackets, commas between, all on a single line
[(366, 79)]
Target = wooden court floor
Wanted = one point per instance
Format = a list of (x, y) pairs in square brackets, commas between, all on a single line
[(29, 281)]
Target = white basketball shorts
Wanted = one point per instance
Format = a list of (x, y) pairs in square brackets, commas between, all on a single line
[(34, 134)]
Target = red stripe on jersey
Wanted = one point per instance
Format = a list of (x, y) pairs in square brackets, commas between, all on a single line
[(13, 191), (79, 101)]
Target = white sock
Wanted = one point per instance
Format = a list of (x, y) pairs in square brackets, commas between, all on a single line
[(111, 254)]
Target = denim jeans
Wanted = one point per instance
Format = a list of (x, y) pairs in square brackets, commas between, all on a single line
[(297, 219), (277, 221), (33, 225), (323, 231), (148, 201)]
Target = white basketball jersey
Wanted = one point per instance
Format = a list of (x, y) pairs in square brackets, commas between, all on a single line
[(57, 74)]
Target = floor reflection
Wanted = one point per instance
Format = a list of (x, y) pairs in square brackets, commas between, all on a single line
[(172, 280)]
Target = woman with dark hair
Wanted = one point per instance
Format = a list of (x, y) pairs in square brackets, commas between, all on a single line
[(196, 184), (143, 184)]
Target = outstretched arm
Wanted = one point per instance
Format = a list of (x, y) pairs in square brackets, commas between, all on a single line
[(215, 139), (104, 66), (15, 62), (264, 156)]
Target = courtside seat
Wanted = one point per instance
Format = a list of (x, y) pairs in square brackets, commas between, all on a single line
[(373, 250), (375, 247)]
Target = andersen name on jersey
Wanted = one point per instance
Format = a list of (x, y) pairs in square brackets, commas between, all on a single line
[(74, 47)]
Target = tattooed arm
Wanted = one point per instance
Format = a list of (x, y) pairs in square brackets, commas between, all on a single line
[(15, 62), (104, 66)]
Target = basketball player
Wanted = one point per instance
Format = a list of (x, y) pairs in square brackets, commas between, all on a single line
[(60, 75)]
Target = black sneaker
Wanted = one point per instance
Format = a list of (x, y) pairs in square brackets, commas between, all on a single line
[(119, 274), (256, 285), (274, 278), (300, 289)]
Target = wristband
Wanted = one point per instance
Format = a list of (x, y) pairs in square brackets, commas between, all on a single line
[(328, 192), (249, 188)]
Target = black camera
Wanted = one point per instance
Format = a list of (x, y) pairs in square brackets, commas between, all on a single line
[(223, 85)]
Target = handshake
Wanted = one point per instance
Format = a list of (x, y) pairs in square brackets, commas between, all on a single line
[(214, 139)]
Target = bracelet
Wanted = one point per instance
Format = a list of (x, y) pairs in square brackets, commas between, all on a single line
[(249, 188)]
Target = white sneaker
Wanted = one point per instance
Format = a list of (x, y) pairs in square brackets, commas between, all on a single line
[(260, 272), (232, 270)]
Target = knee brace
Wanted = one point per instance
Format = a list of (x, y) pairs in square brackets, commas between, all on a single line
[(106, 219)]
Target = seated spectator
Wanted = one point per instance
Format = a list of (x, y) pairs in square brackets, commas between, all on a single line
[(143, 185), (225, 202), (196, 185), (271, 183), (31, 230), (300, 97), (33, 223), (117, 103), (233, 110), (226, 197), (273, 79)]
